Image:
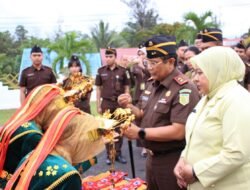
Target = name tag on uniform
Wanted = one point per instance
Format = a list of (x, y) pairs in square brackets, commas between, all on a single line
[(162, 101), (30, 74), (104, 74)]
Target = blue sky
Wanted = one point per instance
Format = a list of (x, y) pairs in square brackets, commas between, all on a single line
[(42, 18)]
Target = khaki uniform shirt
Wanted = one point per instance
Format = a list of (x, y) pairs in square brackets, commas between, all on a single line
[(167, 102), (31, 77), (112, 84)]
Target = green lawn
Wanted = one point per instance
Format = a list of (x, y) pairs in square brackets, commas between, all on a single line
[(6, 114)]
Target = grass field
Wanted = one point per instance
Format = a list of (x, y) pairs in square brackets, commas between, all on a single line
[(6, 114)]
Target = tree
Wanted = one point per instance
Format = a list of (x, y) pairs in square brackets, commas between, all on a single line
[(180, 30), (206, 20), (21, 33), (144, 18), (68, 45), (8, 65), (8, 54), (31, 41), (103, 37), (7, 43)]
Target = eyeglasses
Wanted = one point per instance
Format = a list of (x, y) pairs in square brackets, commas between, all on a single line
[(152, 63)]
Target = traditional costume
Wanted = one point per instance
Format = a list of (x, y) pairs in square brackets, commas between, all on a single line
[(43, 140)]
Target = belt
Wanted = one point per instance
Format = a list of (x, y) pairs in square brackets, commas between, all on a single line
[(112, 98), (158, 153)]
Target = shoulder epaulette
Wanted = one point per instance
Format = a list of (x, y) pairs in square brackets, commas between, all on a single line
[(26, 68), (47, 67), (180, 80), (121, 67), (102, 67)]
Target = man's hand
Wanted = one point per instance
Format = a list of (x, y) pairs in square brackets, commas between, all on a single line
[(132, 132), (124, 100)]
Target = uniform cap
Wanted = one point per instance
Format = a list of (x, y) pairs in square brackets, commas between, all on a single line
[(182, 43), (36, 49), (159, 46), (109, 50), (210, 35)]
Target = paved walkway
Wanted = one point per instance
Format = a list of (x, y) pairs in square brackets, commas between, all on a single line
[(139, 161)]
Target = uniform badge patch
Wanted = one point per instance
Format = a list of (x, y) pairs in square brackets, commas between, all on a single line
[(30, 74), (183, 99), (185, 90), (163, 101)]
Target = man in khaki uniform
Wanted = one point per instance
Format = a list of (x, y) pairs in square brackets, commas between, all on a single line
[(210, 37), (35, 75), (163, 109), (111, 81)]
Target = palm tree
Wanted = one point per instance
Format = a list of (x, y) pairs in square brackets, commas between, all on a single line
[(103, 37), (68, 45), (201, 22)]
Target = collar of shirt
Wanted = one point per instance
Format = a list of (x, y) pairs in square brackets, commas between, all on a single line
[(168, 80), (108, 68), (35, 69)]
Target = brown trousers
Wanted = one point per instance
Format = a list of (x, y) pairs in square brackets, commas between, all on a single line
[(159, 171)]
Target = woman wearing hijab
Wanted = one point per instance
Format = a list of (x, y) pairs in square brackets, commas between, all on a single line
[(217, 153)]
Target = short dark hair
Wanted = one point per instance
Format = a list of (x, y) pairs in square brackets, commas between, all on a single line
[(110, 51), (75, 60), (194, 49)]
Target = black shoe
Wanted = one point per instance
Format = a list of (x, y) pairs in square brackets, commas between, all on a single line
[(108, 161), (121, 159)]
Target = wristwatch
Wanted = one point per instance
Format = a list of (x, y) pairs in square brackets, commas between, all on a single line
[(142, 133)]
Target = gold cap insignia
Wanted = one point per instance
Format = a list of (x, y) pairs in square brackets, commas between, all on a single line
[(150, 43)]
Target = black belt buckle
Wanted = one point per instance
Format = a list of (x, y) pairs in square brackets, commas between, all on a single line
[(113, 98), (158, 153)]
